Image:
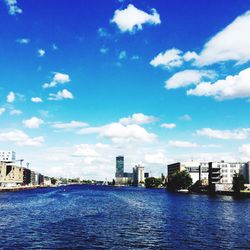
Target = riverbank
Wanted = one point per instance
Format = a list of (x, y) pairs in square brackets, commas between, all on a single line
[(21, 188)]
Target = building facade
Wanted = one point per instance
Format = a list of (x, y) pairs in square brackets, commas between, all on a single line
[(138, 175), (7, 156), (119, 166), (10, 175)]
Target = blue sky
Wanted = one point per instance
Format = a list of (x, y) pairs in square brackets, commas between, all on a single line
[(156, 81)]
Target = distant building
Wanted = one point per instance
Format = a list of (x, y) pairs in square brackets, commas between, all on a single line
[(138, 175), (10, 175), (47, 181), (119, 166), (34, 178), (40, 179), (7, 156), (26, 176), (146, 175), (197, 170)]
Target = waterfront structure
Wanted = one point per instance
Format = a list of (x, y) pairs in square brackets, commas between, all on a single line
[(138, 175), (119, 166), (10, 175), (26, 176), (197, 170), (7, 156), (47, 181)]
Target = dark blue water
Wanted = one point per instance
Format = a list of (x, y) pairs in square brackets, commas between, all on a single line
[(97, 217)]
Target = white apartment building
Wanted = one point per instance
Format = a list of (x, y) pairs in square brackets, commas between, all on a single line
[(7, 156)]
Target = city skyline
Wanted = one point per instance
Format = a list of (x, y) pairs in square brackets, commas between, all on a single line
[(157, 82)]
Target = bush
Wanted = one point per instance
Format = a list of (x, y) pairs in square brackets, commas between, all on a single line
[(179, 180), (152, 182)]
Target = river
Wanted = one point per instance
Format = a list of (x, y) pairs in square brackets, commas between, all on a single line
[(100, 217)]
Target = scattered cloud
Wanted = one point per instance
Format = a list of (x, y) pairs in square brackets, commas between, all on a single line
[(58, 78), (185, 117), (237, 86), (156, 158), (23, 40), (119, 133), (41, 52), (245, 151), (135, 57), (60, 95), (36, 99), (131, 19), (33, 122), (11, 97), (69, 125), (102, 32), (54, 47), (138, 118), (19, 138), (2, 110), (122, 55), (13, 8), (16, 112), (182, 144), (168, 125), (231, 43), (188, 77), (104, 50), (237, 134)]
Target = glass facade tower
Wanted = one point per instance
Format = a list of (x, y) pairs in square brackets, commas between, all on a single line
[(119, 166)]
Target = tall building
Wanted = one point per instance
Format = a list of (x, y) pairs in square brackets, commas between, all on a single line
[(138, 175), (7, 156), (119, 166)]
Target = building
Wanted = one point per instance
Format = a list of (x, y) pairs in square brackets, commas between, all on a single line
[(47, 181), (40, 179), (197, 170), (138, 175), (119, 166), (10, 175), (33, 178), (7, 156), (26, 176)]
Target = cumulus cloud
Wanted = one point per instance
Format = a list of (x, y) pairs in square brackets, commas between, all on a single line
[(138, 118), (188, 77), (19, 138), (13, 8), (231, 43), (16, 112), (168, 125), (182, 144), (41, 52), (237, 134), (156, 158), (33, 122), (58, 78), (122, 55), (131, 19), (36, 99), (11, 97), (69, 125), (119, 133), (23, 40), (60, 95), (2, 110), (237, 86)]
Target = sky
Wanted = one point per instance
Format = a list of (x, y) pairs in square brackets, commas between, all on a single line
[(157, 81)]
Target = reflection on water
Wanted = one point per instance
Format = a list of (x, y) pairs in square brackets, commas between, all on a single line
[(96, 217)]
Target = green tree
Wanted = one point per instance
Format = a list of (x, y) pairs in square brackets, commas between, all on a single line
[(53, 181), (238, 183), (179, 180), (152, 182)]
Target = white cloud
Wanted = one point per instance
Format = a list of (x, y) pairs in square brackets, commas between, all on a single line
[(33, 122), (189, 56), (237, 134), (36, 99), (138, 118), (188, 77), (156, 158), (102, 32), (41, 52), (20, 138), (185, 117), (119, 133), (58, 78), (60, 95), (2, 110), (131, 19), (54, 47), (23, 40), (16, 112), (13, 8), (182, 144), (168, 125), (122, 55), (232, 43), (11, 97), (168, 59), (104, 50), (69, 125), (245, 151), (237, 86)]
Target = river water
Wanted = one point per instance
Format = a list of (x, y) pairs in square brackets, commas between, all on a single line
[(99, 217)]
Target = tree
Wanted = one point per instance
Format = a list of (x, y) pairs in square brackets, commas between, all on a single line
[(53, 181), (238, 183), (152, 182), (179, 180)]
